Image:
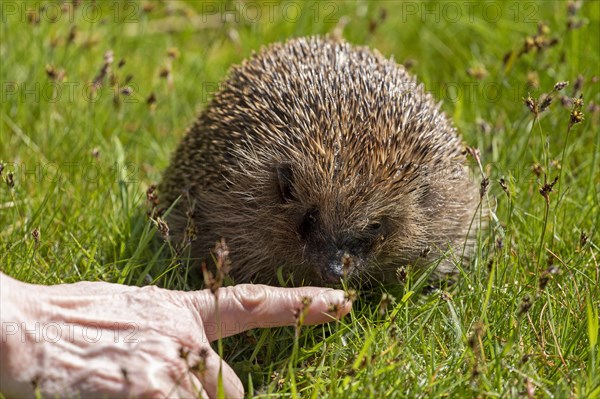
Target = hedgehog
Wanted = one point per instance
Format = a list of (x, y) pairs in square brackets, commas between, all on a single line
[(322, 162)]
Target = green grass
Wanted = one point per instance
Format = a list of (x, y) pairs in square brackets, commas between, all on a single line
[(523, 319)]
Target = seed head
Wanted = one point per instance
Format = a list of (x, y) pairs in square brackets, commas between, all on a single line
[(558, 86), (36, 235), (547, 276), (351, 295), (151, 101), (547, 100), (162, 227), (10, 181), (583, 239), (504, 186), (164, 72), (525, 305), (385, 302), (576, 117), (547, 189), (173, 52), (532, 105)]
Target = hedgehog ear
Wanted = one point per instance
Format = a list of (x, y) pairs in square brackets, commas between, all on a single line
[(285, 178)]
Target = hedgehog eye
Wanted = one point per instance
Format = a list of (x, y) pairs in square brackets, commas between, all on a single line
[(374, 226), (379, 227), (309, 221)]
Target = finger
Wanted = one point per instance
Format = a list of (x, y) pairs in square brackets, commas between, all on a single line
[(197, 390), (91, 288), (207, 370), (169, 390), (247, 306)]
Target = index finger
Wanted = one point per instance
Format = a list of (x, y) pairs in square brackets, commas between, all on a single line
[(246, 306)]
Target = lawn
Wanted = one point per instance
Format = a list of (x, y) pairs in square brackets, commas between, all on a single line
[(95, 96)]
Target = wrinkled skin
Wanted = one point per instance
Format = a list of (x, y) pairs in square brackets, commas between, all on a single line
[(95, 339)]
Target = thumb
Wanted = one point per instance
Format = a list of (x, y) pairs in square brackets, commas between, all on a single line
[(246, 306)]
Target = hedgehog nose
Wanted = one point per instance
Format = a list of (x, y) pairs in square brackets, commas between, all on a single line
[(333, 272), (338, 268)]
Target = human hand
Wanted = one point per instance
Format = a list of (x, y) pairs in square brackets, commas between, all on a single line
[(95, 339)]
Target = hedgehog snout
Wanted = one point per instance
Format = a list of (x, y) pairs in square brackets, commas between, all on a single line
[(339, 266), (339, 256)]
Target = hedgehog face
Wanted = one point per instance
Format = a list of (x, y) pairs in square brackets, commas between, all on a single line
[(335, 241), (336, 254)]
